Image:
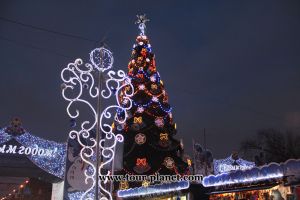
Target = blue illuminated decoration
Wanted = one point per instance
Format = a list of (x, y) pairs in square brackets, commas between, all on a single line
[(150, 102), (78, 195), (270, 171), (154, 189), (145, 74), (156, 75), (54, 164), (47, 155), (230, 164), (4, 137)]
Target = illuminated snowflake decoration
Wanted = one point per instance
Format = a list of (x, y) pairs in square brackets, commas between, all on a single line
[(153, 78), (159, 122), (154, 99), (140, 109)]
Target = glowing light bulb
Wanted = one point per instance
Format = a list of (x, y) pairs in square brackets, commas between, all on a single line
[(152, 78), (142, 87), (154, 99)]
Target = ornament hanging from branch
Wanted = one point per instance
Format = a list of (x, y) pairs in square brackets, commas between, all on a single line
[(138, 120), (169, 162), (140, 138), (159, 122), (141, 166), (164, 140), (123, 185), (140, 109)]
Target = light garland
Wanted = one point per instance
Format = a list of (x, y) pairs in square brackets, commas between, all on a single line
[(154, 189), (152, 78), (242, 180), (155, 116), (54, 164), (273, 170), (78, 195), (147, 91), (150, 102)]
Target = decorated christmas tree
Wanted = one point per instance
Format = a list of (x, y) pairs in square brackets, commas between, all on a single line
[(149, 143)]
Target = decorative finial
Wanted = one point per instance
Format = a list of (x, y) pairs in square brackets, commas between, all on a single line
[(141, 21)]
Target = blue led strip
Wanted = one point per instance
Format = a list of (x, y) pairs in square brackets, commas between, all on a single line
[(78, 195), (145, 74), (154, 189), (273, 170), (150, 102), (270, 171)]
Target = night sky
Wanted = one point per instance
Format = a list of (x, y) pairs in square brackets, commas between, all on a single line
[(232, 67)]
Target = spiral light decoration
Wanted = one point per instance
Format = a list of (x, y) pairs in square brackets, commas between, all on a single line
[(80, 90)]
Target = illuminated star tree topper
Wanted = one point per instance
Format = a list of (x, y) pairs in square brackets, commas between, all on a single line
[(141, 21)]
